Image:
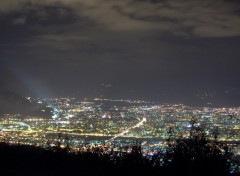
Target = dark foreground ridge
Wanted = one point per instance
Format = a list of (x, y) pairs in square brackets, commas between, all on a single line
[(184, 157)]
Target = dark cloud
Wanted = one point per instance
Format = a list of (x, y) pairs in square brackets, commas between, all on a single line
[(217, 18), (166, 50)]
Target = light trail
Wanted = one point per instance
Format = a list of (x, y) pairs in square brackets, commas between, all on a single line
[(130, 128), (23, 124)]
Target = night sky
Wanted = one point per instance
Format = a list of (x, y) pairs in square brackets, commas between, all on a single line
[(169, 51)]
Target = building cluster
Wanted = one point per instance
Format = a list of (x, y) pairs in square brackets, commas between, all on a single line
[(89, 123)]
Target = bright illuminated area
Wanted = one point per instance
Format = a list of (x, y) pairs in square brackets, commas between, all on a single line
[(99, 121), (119, 87)]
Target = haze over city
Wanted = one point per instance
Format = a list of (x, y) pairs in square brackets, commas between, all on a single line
[(120, 87), (167, 51)]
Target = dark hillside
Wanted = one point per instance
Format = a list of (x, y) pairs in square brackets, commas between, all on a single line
[(12, 103)]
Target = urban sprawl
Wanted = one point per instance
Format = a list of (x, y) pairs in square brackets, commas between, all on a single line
[(86, 124)]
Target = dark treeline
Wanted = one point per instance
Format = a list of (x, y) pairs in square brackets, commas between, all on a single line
[(194, 155)]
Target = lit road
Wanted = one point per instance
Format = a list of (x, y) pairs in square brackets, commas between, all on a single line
[(128, 129), (21, 124)]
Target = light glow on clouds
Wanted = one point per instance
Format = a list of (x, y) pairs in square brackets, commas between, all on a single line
[(215, 18)]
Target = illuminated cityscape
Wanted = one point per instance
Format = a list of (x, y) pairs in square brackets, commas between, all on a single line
[(128, 87), (89, 122)]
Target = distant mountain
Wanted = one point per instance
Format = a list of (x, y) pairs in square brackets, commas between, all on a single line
[(12, 103)]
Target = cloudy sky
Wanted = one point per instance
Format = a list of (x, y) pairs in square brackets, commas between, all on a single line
[(173, 51)]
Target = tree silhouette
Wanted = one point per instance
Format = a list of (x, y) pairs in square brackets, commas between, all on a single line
[(196, 155)]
